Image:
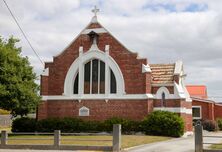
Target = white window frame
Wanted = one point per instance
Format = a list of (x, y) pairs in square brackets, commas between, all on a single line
[(200, 112)]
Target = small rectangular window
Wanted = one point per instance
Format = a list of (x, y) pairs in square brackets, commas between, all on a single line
[(196, 112)]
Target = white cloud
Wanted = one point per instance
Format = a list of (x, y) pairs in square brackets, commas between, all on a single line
[(162, 35)]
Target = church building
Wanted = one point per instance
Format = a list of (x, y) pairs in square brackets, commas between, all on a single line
[(96, 77)]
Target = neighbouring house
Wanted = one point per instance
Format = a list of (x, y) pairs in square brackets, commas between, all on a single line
[(96, 77), (202, 107)]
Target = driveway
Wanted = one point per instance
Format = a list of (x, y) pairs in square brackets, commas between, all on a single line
[(177, 145), (173, 145)]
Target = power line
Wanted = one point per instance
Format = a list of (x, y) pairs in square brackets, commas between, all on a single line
[(23, 33)]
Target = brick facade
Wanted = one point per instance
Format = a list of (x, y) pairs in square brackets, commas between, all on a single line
[(99, 110), (136, 83), (209, 110)]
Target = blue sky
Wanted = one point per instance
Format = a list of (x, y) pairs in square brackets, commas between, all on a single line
[(163, 31)]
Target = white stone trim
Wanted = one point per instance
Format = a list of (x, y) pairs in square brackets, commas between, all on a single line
[(146, 68), (45, 72), (203, 100), (174, 109), (96, 30), (200, 112), (162, 90), (84, 108), (94, 19), (178, 67), (162, 85), (83, 58), (98, 97), (103, 97), (179, 91)]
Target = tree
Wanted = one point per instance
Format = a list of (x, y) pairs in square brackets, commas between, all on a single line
[(18, 90)]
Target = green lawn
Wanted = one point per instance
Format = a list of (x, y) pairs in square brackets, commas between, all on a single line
[(216, 147), (127, 140)]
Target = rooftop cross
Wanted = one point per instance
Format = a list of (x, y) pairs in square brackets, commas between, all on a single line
[(95, 10)]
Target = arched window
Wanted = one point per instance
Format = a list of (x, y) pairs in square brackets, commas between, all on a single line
[(76, 84), (112, 82), (94, 78), (163, 100)]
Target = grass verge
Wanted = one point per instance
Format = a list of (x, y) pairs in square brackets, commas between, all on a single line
[(215, 147), (127, 140)]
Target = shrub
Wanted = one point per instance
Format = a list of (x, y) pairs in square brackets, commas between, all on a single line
[(163, 123), (24, 124), (63, 124), (126, 124), (209, 125), (219, 123)]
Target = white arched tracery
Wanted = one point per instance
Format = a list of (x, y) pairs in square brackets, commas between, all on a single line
[(77, 71)]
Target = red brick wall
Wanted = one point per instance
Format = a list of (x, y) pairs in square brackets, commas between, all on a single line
[(99, 110), (131, 67), (188, 119), (217, 111), (173, 103), (207, 109), (44, 85)]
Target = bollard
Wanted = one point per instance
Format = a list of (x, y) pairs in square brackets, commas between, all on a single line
[(4, 137), (117, 138), (57, 136), (198, 137)]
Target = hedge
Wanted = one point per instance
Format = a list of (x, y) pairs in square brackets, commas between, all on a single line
[(163, 123), (72, 125), (210, 125), (24, 124), (219, 123), (157, 123)]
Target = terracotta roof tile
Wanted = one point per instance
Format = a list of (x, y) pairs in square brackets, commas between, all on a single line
[(162, 73)]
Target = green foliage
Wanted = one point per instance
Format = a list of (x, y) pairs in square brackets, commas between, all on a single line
[(219, 123), (73, 125), (126, 124), (65, 125), (24, 124), (18, 91), (157, 123), (209, 125), (163, 123)]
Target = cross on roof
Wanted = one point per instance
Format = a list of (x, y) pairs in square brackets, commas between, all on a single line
[(95, 10)]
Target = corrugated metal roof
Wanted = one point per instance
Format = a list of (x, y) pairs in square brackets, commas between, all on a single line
[(199, 91)]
